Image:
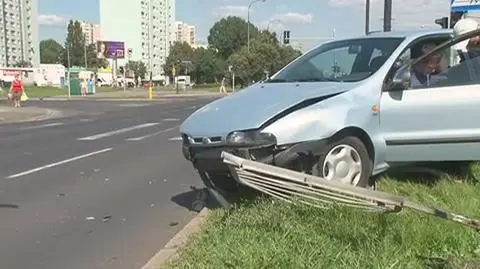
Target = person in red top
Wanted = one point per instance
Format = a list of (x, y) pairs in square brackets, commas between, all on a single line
[(16, 89)]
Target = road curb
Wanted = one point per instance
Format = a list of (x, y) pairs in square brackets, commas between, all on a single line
[(49, 114), (170, 250)]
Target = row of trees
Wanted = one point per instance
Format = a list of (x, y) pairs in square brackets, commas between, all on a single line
[(228, 47), (80, 53)]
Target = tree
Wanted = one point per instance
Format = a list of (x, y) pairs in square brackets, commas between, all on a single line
[(209, 68), (75, 42), (138, 67), (23, 64), (230, 34), (51, 52), (266, 55), (180, 52)]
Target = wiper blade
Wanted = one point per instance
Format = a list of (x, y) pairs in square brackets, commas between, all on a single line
[(274, 80), (318, 80)]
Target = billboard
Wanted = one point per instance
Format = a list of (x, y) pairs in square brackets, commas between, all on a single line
[(465, 5), (110, 50)]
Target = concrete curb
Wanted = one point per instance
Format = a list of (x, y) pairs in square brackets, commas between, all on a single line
[(49, 114), (170, 250)]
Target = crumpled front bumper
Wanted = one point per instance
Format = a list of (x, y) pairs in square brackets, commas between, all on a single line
[(210, 158)]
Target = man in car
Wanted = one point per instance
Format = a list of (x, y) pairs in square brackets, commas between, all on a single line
[(425, 72)]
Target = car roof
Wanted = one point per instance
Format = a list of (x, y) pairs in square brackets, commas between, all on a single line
[(411, 34)]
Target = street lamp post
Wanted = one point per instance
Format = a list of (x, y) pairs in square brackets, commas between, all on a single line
[(248, 20), (367, 17), (271, 22)]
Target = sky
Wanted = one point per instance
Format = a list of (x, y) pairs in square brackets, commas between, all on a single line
[(310, 21)]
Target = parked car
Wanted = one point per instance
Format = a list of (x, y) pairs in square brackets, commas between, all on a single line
[(346, 110)]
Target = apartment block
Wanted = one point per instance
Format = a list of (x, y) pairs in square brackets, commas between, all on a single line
[(91, 32), (146, 26), (19, 32), (185, 33)]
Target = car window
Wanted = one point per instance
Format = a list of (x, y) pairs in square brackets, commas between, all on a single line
[(441, 68), (340, 61)]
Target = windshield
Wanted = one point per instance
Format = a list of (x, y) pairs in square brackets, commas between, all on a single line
[(341, 61)]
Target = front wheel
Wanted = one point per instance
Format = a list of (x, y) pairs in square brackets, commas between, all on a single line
[(346, 161)]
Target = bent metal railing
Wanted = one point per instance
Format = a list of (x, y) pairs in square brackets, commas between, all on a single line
[(291, 186)]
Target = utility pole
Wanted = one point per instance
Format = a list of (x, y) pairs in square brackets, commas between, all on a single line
[(85, 55), (387, 16), (367, 17), (248, 20), (150, 48), (68, 68)]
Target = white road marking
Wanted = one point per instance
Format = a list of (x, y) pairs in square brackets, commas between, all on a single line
[(171, 119), (132, 105), (58, 163), (178, 138), (119, 131), (42, 126), (86, 120), (151, 135)]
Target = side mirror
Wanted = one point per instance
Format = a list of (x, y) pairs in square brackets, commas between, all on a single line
[(402, 78)]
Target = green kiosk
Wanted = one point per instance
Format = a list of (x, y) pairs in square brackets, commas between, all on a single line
[(76, 75)]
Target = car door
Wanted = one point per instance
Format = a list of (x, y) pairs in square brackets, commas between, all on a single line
[(436, 121)]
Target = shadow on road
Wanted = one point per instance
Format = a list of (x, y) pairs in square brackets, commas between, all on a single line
[(9, 206), (195, 200)]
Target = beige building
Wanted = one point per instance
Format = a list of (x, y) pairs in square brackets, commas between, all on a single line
[(91, 32), (185, 33), (19, 32)]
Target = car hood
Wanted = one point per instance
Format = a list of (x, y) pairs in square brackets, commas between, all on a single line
[(252, 107)]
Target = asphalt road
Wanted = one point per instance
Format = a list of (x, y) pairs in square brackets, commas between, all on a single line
[(104, 187)]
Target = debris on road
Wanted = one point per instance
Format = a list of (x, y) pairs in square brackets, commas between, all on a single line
[(107, 218), (173, 223)]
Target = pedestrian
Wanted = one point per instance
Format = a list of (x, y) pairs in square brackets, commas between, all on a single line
[(83, 87), (90, 84), (222, 86), (16, 91)]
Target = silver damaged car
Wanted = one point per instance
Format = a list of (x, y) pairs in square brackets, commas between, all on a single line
[(348, 110)]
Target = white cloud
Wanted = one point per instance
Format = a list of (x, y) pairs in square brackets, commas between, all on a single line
[(293, 18), (229, 10), (405, 13), (52, 20)]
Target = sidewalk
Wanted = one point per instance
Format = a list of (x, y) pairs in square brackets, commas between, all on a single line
[(25, 114)]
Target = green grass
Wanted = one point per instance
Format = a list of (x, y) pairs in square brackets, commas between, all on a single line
[(266, 233), (54, 91)]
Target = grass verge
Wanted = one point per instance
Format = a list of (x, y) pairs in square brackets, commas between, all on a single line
[(267, 233), (55, 91)]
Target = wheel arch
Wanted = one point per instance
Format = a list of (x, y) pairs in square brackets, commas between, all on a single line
[(360, 134)]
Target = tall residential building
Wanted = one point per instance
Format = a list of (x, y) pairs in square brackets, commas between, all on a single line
[(146, 26), (91, 32), (185, 33), (19, 32)]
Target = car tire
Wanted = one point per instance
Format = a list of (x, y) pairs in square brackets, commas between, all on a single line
[(357, 158)]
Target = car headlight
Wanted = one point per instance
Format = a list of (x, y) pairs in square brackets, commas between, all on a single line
[(250, 138)]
